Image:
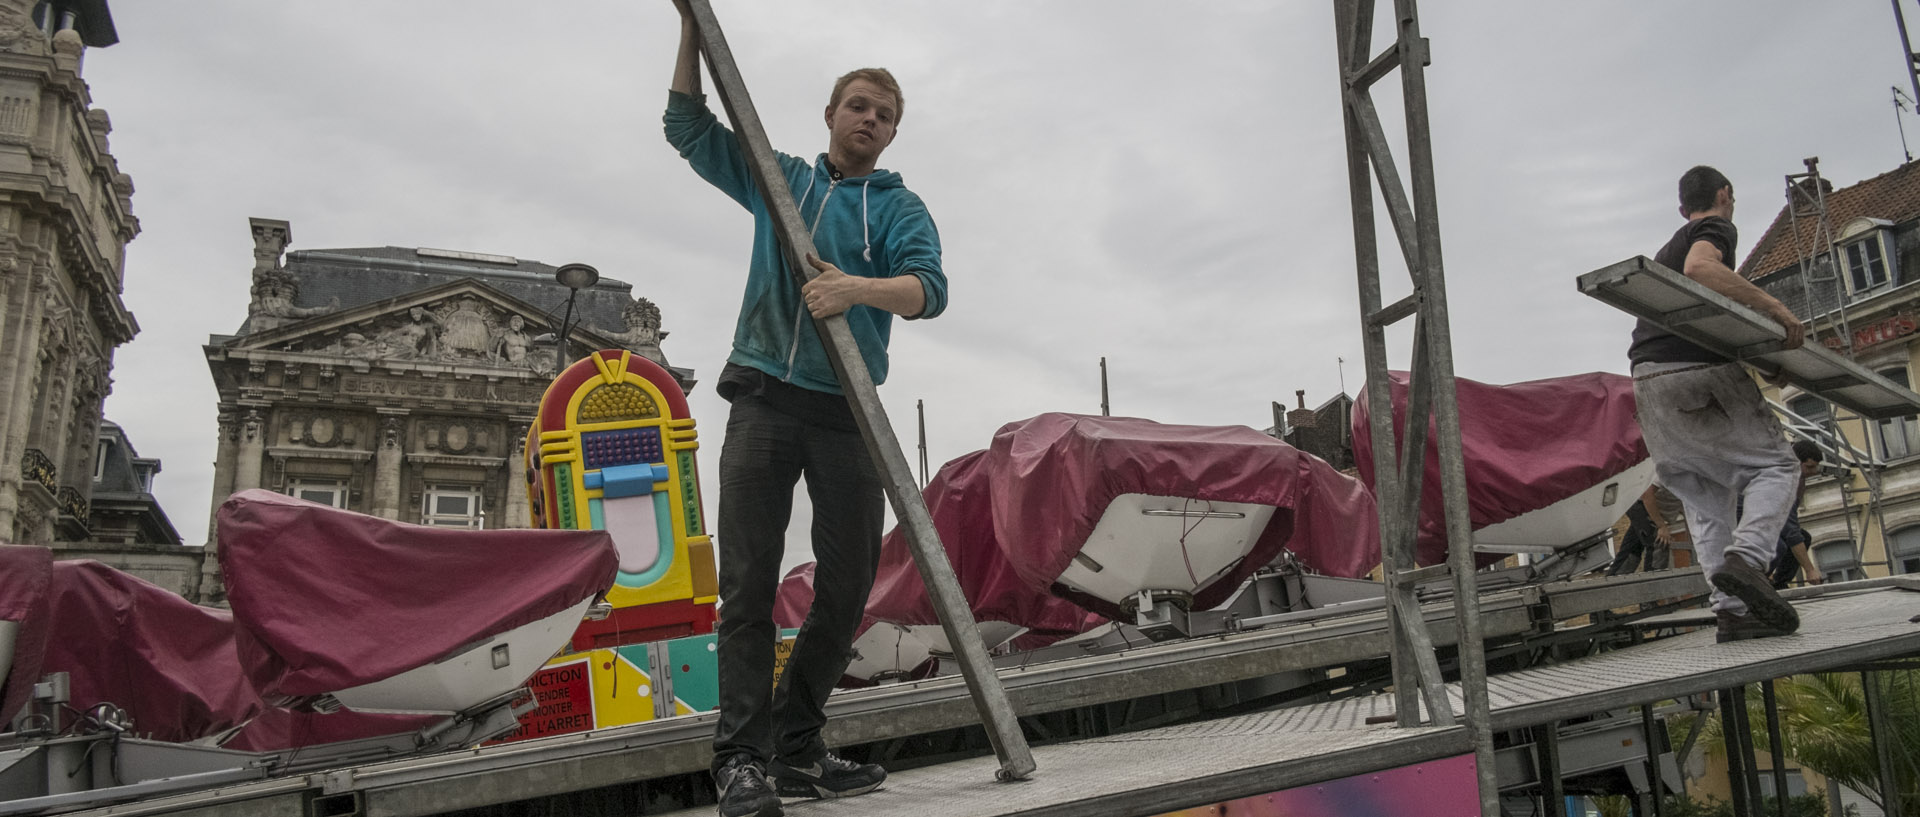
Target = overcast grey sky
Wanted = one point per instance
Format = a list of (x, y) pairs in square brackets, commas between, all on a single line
[(1159, 183)]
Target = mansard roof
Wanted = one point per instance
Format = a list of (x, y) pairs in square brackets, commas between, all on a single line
[(366, 275), (1893, 196)]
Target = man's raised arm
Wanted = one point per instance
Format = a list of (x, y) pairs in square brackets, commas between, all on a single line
[(686, 67), (1704, 264)]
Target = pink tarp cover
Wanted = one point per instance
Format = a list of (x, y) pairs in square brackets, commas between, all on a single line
[(795, 597), (24, 574), (1526, 446), (327, 599), (962, 508), (171, 666), (1051, 478)]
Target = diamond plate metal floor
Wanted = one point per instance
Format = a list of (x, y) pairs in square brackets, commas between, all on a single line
[(1160, 770)]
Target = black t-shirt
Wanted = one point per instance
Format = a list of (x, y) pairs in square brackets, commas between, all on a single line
[(815, 407), (1652, 344)]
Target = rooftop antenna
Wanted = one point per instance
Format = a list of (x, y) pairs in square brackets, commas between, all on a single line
[(1342, 363), (1105, 410), (1900, 103), (1906, 52)]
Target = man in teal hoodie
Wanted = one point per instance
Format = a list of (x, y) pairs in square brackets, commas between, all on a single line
[(879, 256)]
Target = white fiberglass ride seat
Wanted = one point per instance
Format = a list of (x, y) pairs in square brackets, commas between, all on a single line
[(886, 651), (1144, 542), (1571, 520), (1101, 510), (1550, 464), (381, 616), (484, 671), (882, 650)]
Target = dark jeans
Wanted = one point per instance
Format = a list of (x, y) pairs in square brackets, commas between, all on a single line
[(766, 452)]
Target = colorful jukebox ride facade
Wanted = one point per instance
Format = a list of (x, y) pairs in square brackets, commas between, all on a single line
[(612, 448)]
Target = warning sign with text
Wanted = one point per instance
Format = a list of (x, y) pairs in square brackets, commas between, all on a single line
[(564, 697)]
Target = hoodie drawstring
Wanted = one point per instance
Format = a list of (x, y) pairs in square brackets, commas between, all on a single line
[(803, 196), (866, 229)]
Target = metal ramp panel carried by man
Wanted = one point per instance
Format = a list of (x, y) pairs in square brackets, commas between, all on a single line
[(1685, 307)]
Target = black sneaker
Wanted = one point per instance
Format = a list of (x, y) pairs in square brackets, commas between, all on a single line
[(1736, 627), (829, 776), (744, 791), (1746, 583)]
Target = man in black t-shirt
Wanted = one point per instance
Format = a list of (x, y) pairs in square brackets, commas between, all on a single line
[(1714, 442)]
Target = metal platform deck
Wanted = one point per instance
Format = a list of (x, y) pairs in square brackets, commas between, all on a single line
[(1155, 771), (1867, 622)]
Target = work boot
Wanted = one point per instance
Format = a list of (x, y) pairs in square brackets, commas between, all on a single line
[(1737, 627), (744, 791), (1743, 581), (829, 776)]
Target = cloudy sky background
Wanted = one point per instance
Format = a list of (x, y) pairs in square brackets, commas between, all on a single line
[(1159, 183)]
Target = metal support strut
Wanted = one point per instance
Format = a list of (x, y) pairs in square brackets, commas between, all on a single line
[(956, 618), (1397, 477)]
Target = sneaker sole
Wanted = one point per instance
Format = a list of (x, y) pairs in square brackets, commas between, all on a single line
[(767, 808), (1762, 601), (773, 809), (1723, 638), (802, 788)]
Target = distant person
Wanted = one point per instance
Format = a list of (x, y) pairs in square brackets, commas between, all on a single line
[(1791, 558), (1654, 523), (1713, 440), (879, 257)]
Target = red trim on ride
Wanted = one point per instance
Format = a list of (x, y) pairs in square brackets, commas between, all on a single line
[(645, 623)]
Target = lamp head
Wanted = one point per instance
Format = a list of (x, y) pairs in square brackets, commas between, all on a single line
[(577, 276)]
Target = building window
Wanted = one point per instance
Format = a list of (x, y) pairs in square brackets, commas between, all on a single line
[(452, 506), (1867, 265), (1810, 408), (1900, 436), (100, 460), (1837, 562), (324, 491), (1903, 552)]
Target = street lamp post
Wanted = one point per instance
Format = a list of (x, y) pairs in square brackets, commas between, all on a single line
[(575, 277)]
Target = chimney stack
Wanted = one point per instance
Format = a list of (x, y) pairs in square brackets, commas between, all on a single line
[(1301, 417)]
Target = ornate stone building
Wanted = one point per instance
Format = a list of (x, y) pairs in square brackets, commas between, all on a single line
[(400, 382), (65, 220), (128, 529)]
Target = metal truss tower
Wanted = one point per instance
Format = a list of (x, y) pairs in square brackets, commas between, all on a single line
[(1399, 469)]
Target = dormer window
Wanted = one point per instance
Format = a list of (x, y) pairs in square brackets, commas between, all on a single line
[(1866, 248)]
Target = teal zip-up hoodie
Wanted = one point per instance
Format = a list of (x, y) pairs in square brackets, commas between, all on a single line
[(871, 226)]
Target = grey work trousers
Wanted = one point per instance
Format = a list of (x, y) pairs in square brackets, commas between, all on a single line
[(1714, 443)]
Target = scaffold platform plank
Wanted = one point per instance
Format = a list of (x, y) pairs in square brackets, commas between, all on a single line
[(1160, 770), (1844, 625), (1685, 307)]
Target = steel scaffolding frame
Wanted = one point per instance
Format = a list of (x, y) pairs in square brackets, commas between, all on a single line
[(1398, 470), (1807, 198)]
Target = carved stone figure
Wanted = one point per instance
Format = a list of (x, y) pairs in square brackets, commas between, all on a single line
[(643, 333), (272, 306), (510, 348), (417, 338), (18, 34), (466, 330)]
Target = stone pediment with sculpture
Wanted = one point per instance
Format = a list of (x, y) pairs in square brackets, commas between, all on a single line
[(457, 323), (465, 325), (461, 330)]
